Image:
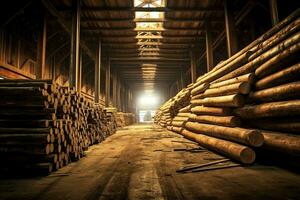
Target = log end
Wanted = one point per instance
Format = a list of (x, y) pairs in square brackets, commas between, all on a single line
[(255, 138), (247, 156)]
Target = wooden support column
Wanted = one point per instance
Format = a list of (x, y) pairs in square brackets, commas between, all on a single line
[(209, 49), (114, 90), (75, 40), (193, 66), (79, 78), (274, 12), (41, 50), (119, 103), (107, 83), (98, 72), (181, 79), (231, 38)]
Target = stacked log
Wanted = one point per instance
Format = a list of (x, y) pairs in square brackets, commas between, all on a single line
[(170, 108), (250, 101), (124, 119), (43, 126)]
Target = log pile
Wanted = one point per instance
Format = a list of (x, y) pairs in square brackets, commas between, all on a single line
[(124, 119), (170, 108), (250, 101), (43, 126)]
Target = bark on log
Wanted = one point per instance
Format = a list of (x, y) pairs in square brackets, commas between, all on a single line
[(240, 135), (285, 125), (275, 63), (235, 88), (272, 56), (272, 109), (284, 76), (230, 121), (282, 142), (199, 89), (278, 93), (235, 151), (202, 110), (222, 101), (243, 78)]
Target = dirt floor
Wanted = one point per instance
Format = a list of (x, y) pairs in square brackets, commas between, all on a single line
[(140, 162)]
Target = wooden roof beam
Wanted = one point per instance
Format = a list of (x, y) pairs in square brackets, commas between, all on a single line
[(152, 9)]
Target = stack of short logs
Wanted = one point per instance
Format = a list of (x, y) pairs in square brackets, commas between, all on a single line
[(250, 101), (43, 126)]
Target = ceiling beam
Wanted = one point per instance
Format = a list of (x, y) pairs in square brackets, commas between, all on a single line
[(188, 20), (148, 59), (161, 29), (148, 9)]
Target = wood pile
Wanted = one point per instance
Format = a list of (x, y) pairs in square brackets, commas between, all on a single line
[(124, 119), (43, 126), (170, 108), (250, 101)]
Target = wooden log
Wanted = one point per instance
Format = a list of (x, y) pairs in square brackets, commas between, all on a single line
[(199, 89), (28, 131), (281, 142), (272, 109), (235, 88), (180, 118), (282, 34), (185, 109), (25, 91), (48, 81), (275, 63), (41, 85), (283, 76), (243, 78), (235, 151), (278, 93), (26, 138), (289, 125), (24, 123), (229, 121), (178, 123), (14, 158), (18, 115), (222, 101), (240, 135), (183, 114), (269, 58), (202, 110), (34, 150)]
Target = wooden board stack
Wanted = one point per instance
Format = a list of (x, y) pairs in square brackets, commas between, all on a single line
[(44, 126), (250, 100)]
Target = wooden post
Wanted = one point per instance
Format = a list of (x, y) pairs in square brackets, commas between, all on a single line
[(114, 89), (98, 72), (193, 66), (80, 73), (119, 103), (209, 49), (75, 40), (41, 50), (232, 47), (274, 12), (18, 54), (107, 83)]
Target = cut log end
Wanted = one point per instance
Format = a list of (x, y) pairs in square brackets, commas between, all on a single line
[(247, 156), (255, 138)]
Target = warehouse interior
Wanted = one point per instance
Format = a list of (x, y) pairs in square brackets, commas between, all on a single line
[(150, 99)]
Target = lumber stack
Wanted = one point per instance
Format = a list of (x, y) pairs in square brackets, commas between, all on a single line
[(250, 101), (43, 126)]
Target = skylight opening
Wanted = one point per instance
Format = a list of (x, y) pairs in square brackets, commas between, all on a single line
[(149, 15)]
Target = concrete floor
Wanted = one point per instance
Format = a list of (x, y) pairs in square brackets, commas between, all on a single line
[(139, 162)]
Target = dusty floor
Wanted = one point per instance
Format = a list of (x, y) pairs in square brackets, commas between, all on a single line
[(140, 162)]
